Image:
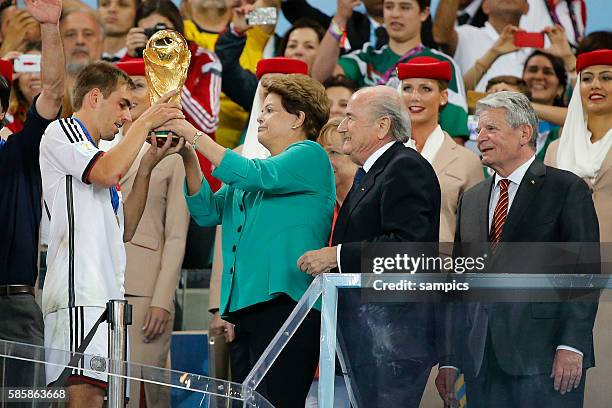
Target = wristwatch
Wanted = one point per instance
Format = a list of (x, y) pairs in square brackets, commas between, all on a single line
[(198, 135)]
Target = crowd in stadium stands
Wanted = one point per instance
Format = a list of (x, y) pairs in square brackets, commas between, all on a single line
[(479, 121)]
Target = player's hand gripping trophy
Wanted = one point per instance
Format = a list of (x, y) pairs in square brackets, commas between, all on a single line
[(166, 59)]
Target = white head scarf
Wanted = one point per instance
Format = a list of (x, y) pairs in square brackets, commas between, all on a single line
[(251, 148), (576, 152)]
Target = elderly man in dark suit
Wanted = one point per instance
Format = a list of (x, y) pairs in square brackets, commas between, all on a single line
[(522, 354), (390, 347)]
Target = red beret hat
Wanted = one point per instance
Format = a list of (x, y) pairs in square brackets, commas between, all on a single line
[(6, 70), (281, 65), (134, 67), (597, 57), (425, 67)]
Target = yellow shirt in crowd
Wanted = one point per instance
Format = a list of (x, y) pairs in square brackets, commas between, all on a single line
[(232, 118)]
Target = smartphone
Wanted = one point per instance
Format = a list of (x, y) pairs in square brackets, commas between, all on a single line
[(262, 16), (527, 39), (27, 63)]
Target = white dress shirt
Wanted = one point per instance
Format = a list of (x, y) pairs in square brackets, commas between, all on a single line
[(366, 167), (515, 180)]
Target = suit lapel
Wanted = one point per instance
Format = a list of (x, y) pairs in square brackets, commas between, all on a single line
[(482, 212), (356, 195), (530, 185)]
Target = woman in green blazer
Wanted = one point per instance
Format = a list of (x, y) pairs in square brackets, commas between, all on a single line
[(272, 210)]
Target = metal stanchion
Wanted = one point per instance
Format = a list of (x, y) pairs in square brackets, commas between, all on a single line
[(119, 317)]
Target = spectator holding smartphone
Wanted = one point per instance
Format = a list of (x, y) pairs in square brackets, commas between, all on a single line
[(495, 53), (25, 85)]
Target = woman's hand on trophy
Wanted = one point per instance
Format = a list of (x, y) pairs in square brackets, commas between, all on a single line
[(181, 128), (136, 39), (187, 152)]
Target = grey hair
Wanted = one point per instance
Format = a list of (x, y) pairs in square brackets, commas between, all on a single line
[(391, 106), (518, 110)]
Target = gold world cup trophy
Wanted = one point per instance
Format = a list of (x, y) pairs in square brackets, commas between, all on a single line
[(166, 59)]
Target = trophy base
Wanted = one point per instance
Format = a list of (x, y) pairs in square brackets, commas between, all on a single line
[(162, 136)]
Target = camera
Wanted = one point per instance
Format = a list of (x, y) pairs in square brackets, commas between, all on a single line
[(149, 33)]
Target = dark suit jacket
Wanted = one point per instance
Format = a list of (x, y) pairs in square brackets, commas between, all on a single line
[(398, 201), (550, 206)]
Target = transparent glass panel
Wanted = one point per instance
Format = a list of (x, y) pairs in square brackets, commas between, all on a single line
[(23, 368)]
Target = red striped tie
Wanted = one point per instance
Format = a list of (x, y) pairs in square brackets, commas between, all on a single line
[(501, 211)]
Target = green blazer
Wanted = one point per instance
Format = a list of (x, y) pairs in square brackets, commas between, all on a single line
[(272, 210)]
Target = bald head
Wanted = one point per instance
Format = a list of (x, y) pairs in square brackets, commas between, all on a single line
[(375, 116), (383, 101)]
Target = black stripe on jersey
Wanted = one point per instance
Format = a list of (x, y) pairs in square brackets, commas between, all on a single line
[(94, 159), (77, 334), (61, 122), (70, 208), (47, 210), (74, 128), (72, 333), (82, 336)]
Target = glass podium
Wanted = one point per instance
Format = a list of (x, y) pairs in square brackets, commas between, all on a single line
[(22, 372), (204, 391)]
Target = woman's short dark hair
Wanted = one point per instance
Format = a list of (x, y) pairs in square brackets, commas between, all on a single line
[(340, 81), (301, 23), (559, 69), (102, 75), (518, 83), (164, 8), (301, 93), (594, 41)]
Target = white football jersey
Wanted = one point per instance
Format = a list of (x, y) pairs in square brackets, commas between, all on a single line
[(86, 255)]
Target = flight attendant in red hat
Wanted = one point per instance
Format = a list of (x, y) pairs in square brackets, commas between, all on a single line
[(585, 148), (424, 90)]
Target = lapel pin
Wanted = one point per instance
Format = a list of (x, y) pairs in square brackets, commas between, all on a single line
[(532, 181), (362, 189)]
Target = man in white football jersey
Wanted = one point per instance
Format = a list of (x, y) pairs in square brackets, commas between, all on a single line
[(88, 221)]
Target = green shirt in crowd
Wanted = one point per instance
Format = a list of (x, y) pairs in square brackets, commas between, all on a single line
[(370, 67)]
